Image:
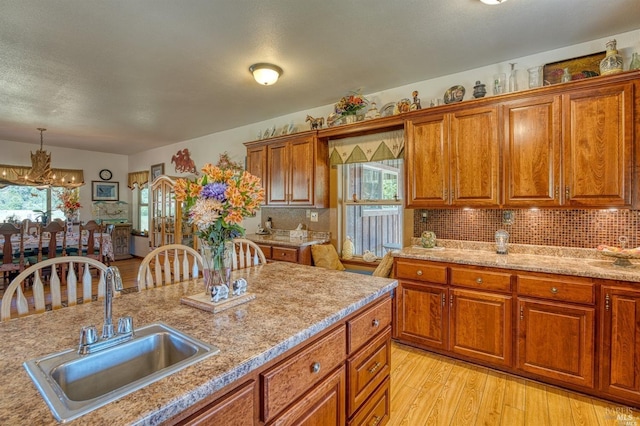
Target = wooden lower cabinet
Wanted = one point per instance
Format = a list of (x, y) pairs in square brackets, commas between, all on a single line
[(323, 405), (481, 326), (301, 255), (337, 378), (422, 314), (620, 330), (556, 340), (233, 409)]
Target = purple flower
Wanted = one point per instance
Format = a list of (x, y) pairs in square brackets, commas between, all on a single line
[(214, 190)]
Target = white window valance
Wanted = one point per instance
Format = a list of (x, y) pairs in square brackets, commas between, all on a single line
[(363, 149)]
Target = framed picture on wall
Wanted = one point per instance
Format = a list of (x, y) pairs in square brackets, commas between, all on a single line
[(157, 170), (104, 191)]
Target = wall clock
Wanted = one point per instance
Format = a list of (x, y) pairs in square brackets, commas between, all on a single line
[(105, 174)]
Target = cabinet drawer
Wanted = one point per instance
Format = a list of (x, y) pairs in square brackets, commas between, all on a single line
[(266, 250), (377, 409), (369, 323), (481, 279), (567, 289), (292, 377), (368, 369), (421, 271), (285, 254)]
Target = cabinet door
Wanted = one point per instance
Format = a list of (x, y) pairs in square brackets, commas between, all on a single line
[(301, 183), (278, 173), (481, 325), (421, 314), (234, 409), (323, 405), (475, 157), (598, 146), (620, 365), (427, 162), (555, 340), (532, 150), (257, 164)]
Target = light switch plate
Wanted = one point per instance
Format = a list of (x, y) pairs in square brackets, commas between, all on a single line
[(314, 216)]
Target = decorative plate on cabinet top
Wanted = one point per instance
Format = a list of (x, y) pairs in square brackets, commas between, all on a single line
[(388, 109), (454, 94)]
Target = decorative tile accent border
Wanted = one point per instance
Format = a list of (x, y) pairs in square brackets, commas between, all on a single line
[(546, 227)]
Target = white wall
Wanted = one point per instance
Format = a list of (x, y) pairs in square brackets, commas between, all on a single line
[(207, 149), (18, 153)]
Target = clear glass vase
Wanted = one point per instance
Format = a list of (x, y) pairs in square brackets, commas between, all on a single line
[(216, 264)]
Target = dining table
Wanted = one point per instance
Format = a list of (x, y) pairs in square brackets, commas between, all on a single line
[(32, 242)]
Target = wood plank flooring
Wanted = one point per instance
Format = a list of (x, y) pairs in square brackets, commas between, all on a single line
[(431, 389)]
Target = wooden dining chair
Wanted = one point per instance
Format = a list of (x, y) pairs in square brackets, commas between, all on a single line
[(12, 261), (246, 253), (169, 264), (55, 294), (48, 247), (93, 246)]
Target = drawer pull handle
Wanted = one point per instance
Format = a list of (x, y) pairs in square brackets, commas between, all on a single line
[(315, 367), (554, 290), (374, 368), (375, 420), (375, 323), (479, 280), (419, 272)]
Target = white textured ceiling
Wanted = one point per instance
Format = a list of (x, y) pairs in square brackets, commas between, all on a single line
[(124, 76)]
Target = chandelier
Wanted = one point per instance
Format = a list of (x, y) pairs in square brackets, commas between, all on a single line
[(40, 174)]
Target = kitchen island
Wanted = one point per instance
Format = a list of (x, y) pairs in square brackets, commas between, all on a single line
[(294, 304)]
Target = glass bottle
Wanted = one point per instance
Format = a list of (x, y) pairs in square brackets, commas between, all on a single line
[(566, 76), (635, 62), (513, 78), (612, 62)]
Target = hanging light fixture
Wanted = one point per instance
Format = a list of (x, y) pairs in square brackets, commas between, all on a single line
[(492, 2), (265, 74), (40, 172)]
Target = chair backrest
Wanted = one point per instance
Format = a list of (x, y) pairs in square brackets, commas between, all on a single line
[(93, 248), (171, 263), (246, 253), (51, 231), (7, 231), (55, 289), (30, 227)]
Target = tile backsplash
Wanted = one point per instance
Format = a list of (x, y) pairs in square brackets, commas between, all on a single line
[(564, 228), (290, 217)]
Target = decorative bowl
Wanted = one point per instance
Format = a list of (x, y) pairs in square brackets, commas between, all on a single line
[(622, 256)]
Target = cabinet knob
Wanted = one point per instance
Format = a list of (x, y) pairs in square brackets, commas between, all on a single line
[(374, 368), (375, 323), (554, 290), (479, 280), (419, 272), (375, 420), (315, 367)]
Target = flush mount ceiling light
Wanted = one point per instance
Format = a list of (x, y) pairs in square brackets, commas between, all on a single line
[(265, 74), (492, 2)]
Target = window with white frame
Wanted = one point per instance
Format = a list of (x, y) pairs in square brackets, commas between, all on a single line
[(143, 208), (372, 208), (28, 202)]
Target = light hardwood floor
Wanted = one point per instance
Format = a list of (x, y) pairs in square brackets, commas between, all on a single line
[(431, 389)]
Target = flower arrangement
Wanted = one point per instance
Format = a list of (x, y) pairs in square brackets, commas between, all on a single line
[(218, 201), (351, 104), (69, 201)]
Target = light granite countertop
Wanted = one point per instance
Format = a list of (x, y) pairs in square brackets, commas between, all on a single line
[(556, 260), (286, 241), (292, 304)]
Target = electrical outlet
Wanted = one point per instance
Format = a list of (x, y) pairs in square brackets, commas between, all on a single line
[(314, 216), (308, 213)]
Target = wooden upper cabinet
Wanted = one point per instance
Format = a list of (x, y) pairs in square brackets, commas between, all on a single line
[(427, 165), (453, 159), (598, 139), (257, 164), (475, 157), (294, 169), (532, 149)]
